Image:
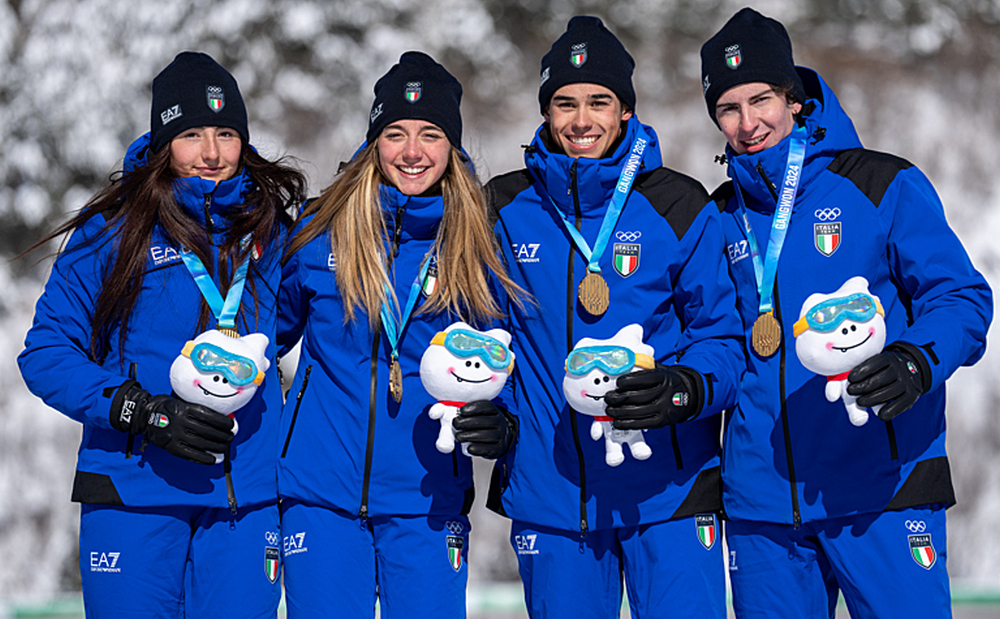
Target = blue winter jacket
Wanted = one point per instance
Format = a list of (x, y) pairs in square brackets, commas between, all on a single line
[(679, 292), (346, 443), (56, 365), (790, 455)]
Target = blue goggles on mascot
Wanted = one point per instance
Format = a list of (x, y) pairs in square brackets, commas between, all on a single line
[(612, 360), (211, 359), (827, 315), (464, 343)]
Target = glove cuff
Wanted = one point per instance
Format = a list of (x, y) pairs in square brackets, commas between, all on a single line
[(914, 354), (695, 385), (513, 427), (125, 406)]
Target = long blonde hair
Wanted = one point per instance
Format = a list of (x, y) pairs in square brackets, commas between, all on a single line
[(465, 249)]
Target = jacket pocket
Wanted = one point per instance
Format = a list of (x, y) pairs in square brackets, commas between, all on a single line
[(295, 413)]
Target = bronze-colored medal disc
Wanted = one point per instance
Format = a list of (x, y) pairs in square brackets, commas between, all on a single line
[(594, 294), (766, 335), (396, 381)]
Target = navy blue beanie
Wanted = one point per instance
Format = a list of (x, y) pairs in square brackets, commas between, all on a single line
[(417, 88), (195, 91), (587, 53), (749, 48)]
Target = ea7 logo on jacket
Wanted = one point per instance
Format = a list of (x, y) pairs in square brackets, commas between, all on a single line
[(294, 544), (526, 544), (525, 252), (163, 254), (105, 562), (738, 251)]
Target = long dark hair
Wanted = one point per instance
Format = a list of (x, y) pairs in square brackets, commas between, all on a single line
[(137, 201)]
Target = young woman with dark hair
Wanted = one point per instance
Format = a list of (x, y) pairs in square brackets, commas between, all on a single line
[(187, 238)]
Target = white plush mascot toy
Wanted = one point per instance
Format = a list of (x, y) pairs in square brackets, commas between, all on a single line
[(463, 365), (220, 372), (591, 370), (837, 331)]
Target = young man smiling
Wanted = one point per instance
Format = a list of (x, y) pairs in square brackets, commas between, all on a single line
[(830, 244), (602, 236)]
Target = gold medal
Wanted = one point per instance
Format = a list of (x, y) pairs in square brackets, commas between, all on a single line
[(593, 294), (230, 332), (766, 335), (396, 381)]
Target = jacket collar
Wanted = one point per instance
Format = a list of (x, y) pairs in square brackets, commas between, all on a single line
[(595, 179), (829, 132), (193, 192), (421, 214)]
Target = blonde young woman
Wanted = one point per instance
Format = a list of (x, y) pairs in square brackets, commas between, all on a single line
[(395, 250)]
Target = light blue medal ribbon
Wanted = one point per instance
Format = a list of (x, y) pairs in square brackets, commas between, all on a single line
[(766, 272), (394, 330), (622, 189), (765, 336), (224, 310)]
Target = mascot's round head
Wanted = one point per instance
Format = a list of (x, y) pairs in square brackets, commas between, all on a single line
[(465, 365), (593, 365), (837, 331), (219, 371)]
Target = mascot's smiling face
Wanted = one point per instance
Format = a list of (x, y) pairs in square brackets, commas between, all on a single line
[(220, 372), (593, 367), (837, 331), (465, 365)]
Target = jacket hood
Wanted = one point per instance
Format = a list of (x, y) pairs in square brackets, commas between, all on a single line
[(829, 130), (595, 179), (194, 192)]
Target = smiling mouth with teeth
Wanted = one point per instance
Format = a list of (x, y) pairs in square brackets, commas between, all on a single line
[(411, 171), (584, 141), (847, 348), (215, 395), (467, 380)]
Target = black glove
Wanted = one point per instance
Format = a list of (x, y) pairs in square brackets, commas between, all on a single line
[(655, 398), (190, 431), (894, 378), (487, 429)]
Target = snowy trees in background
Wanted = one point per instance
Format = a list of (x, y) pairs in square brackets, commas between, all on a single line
[(918, 77)]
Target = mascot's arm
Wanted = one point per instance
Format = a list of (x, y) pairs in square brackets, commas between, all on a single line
[(833, 391)]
